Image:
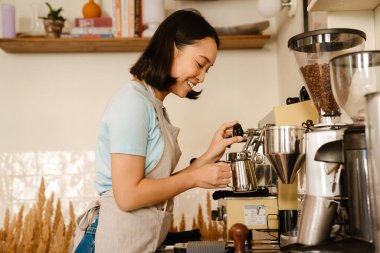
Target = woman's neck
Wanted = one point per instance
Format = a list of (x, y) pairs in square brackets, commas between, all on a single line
[(161, 95)]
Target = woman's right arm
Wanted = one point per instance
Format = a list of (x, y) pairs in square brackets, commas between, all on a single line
[(132, 190)]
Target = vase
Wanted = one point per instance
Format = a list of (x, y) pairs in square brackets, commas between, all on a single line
[(153, 15), (91, 10), (37, 24), (53, 28)]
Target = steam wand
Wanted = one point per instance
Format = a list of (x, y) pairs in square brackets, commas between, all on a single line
[(251, 139)]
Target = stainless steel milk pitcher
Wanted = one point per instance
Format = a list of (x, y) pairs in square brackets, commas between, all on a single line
[(243, 172)]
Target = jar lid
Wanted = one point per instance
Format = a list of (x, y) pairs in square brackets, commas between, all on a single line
[(326, 40)]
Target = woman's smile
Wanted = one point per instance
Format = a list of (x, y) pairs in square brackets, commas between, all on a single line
[(190, 84)]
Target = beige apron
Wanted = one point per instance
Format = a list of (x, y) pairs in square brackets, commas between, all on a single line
[(144, 229)]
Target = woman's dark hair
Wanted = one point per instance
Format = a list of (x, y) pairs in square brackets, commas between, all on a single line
[(181, 28)]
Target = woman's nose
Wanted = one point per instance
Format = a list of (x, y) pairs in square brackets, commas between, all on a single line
[(201, 76)]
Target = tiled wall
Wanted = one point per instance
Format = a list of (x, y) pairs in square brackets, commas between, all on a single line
[(69, 175)]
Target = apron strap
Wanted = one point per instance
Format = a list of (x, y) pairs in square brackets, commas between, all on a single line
[(86, 218)]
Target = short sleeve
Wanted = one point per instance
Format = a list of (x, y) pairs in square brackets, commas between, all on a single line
[(128, 124)]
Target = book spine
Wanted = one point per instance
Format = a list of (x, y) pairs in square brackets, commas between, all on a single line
[(138, 18), (117, 15), (124, 18), (93, 22), (91, 30), (93, 36), (131, 18)]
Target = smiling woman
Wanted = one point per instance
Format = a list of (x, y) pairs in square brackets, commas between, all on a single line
[(137, 149)]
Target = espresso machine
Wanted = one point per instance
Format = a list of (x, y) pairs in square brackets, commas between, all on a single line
[(253, 199), (272, 208), (325, 181)]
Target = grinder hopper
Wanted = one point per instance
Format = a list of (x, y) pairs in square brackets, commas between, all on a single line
[(313, 51), (283, 146)]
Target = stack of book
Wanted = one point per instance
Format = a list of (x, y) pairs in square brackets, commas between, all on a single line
[(127, 15), (126, 21), (93, 28)]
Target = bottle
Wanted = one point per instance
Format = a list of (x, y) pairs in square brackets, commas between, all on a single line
[(91, 10), (8, 14)]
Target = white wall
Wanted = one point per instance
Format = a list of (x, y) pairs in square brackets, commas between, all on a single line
[(289, 78), (361, 20)]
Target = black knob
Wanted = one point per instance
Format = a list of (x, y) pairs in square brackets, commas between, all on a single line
[(304, 95), (292, 100), (214, 215), (237, 130)]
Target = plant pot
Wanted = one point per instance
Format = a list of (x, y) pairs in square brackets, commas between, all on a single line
[(53, 28)]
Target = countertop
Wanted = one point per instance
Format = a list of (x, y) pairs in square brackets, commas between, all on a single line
[(342, 246)]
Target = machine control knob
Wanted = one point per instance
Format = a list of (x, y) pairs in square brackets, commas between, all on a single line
[(214, 215), (218, 215), (239, 233), (237, 130)]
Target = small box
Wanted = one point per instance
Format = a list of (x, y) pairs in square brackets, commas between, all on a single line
[(293, 114)]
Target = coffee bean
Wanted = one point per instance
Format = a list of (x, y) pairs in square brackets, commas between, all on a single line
[(317, 78)]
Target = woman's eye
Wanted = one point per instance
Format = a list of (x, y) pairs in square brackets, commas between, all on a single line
[(200, 65)]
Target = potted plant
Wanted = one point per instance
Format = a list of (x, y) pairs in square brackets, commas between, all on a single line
[(53, 22)]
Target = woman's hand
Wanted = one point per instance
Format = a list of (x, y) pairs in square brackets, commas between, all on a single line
[(220, 142), (212, 175)]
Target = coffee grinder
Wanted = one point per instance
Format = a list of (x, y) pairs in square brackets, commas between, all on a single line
[(313, 51), (283, 147), (353, 76)]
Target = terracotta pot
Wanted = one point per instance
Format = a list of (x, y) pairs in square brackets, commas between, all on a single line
[(53, 28)]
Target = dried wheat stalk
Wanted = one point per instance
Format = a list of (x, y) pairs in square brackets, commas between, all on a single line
[(209, 229), (37, 231)]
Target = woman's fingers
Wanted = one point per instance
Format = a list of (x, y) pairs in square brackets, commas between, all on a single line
[(214, 175), (225, 173), (224, 127), (232, 140)]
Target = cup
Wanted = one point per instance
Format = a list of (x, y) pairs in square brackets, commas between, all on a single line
[(8, 14)]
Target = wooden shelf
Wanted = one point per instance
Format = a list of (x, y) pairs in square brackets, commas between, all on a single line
[(80, 45), (342, 5)]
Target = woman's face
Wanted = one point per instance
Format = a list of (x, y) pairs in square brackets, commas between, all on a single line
[(190, 65)]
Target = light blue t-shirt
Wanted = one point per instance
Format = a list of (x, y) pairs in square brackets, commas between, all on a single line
[(129, 126)]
